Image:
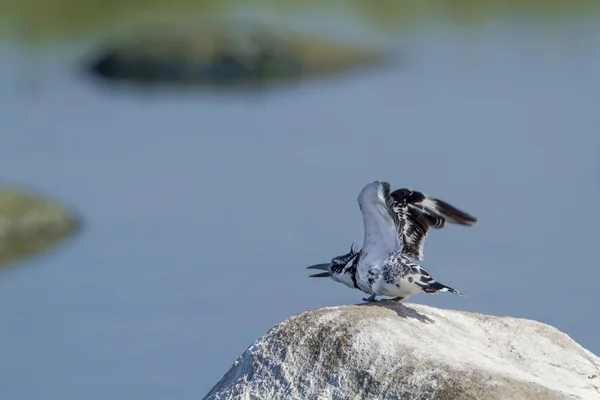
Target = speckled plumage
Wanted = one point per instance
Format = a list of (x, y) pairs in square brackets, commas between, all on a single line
[(396, 224)]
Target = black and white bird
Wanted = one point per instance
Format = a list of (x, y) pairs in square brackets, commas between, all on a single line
[(396, 225)]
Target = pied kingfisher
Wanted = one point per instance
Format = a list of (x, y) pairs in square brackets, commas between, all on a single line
[(396, 225)]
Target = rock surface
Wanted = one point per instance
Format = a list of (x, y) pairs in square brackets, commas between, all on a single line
[(391, 350), (222, 56), (30, 224)]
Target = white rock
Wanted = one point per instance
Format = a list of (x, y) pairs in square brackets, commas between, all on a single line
[(391, 350)]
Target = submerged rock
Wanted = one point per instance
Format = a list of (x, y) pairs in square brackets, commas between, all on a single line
[(223, 56), (391, 350), (29, 224)]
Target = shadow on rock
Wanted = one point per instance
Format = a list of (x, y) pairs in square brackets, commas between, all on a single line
[(400, 309)]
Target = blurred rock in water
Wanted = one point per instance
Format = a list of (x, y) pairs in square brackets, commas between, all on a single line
[(30, 224), (223, 57)]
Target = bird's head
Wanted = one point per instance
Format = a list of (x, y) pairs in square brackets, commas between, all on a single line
[(338, 269)]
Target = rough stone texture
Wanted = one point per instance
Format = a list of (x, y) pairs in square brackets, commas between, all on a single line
[(30, 224), (391, 350)]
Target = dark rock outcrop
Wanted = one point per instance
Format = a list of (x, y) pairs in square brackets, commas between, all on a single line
[(222, 57)]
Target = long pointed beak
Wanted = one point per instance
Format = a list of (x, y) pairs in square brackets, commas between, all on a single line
[(324, 267)]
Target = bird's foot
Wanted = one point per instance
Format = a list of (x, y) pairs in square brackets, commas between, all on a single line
[(371, 298)]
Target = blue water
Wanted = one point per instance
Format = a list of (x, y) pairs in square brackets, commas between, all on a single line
[(201, 210)]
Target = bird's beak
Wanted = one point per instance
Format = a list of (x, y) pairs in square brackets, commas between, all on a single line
[(324, 267)]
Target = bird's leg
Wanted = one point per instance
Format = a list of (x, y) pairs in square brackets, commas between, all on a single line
[(371, 298), (397, 298)]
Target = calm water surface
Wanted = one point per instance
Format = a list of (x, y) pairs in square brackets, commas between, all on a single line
[(202, 210)]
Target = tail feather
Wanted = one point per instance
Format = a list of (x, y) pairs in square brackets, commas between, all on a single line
[(433, 287)]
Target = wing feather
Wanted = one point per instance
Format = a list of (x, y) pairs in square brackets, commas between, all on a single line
[(415, 213)]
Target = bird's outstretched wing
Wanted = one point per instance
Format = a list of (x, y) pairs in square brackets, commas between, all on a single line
[(415, 213)]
